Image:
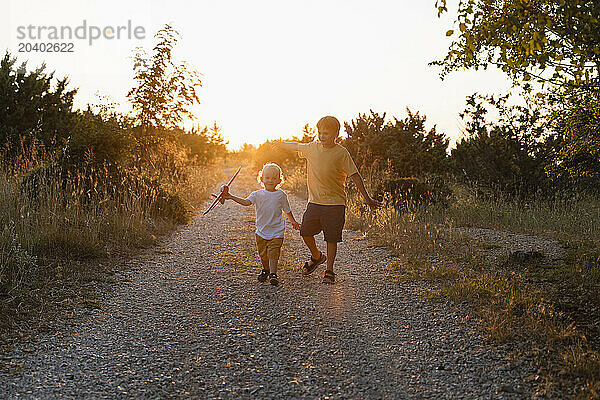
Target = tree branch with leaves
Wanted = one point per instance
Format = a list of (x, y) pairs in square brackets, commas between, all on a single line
[(165, 89), (553, 41)]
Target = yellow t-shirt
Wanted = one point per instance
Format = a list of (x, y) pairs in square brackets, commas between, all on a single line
[(327, 172)]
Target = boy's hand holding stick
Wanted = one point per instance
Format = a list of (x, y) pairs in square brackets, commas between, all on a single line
[(228, 196), (220, 198)]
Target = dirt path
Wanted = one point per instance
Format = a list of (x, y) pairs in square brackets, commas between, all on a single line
[(190, 320)]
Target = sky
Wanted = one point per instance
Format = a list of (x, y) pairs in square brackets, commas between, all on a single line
[(268, 67)]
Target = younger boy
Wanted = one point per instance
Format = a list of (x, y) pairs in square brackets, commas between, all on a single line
[(270, 225), (328, 165)]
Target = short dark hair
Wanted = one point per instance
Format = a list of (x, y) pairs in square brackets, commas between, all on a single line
[(329, 122)]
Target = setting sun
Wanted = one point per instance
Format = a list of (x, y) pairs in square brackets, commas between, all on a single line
[(270, 67)]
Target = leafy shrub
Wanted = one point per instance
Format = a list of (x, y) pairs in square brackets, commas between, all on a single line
[(204, 145), (32, 109), (100, 138), (404, 146), (268, 153), (506, 154), (576, 122)]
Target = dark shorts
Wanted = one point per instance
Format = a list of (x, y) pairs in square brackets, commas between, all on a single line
[(329, 219)]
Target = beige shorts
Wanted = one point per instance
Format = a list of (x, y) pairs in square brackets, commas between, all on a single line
[(270, 249)]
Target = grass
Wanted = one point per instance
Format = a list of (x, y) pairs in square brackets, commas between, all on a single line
[(546, 304), (418, 269), (64, 235)]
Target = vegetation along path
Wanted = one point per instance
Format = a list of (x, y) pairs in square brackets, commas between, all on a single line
[(191, 320)]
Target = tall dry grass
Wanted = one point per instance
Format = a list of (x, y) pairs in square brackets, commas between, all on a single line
[(56, 225), (523, 302)]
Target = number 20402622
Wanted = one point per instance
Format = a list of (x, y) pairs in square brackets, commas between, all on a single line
[(46, 47)]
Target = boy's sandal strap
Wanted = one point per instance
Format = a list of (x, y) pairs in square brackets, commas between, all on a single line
[(309, 268), (329, 276)]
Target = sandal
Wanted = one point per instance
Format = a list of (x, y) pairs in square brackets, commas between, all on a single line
[(309, 268), (329, 277)]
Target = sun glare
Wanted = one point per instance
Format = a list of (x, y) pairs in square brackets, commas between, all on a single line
[(271, 67)]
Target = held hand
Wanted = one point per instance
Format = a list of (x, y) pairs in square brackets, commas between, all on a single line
[(374, 204)]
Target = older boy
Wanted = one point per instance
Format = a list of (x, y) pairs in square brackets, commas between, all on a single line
[(328, 165)]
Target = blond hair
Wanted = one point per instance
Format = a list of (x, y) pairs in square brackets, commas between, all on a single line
[(264, 168)]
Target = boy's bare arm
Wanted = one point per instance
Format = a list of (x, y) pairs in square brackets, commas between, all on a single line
[(360, 185), (291, 146), (292, 220), (239, 200)]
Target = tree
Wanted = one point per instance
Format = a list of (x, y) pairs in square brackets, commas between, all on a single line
[(100, 138), (507, 154), (31, 109), (204, 144), (576, 159), (404, 145), (165, 90), (554, 41), (161, 100)]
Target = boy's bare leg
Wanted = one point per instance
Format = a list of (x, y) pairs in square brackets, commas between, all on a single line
[(331, 253), (265, 263), (312, 246), (273, 265)]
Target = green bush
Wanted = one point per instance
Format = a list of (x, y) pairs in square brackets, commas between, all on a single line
[(506, 154), (268, 153), (402, 146), (100, 138), (576, 123), (32, 108), (204, 145)]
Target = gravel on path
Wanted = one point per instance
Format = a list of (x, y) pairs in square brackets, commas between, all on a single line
[(193, 322)]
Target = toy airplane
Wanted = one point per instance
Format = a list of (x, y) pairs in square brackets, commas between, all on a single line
[(224, 190)]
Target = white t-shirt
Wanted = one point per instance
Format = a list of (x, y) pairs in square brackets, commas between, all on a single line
[(269, 218)]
